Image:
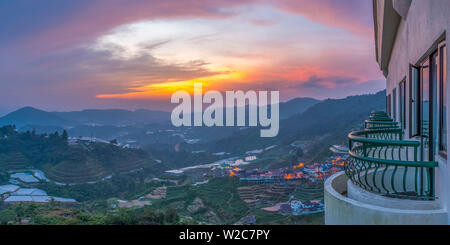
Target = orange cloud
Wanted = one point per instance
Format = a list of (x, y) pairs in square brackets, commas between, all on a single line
[(165, 89)]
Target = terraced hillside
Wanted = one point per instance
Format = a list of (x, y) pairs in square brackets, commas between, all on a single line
[(95, 162), (128, 165), (270, 194), (12, 161), (309, 193), (120, 160), (80, 162), (77, 172)]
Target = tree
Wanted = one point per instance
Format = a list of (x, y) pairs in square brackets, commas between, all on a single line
[(123, 217), (170, 215), (52, 202), (65, 136)]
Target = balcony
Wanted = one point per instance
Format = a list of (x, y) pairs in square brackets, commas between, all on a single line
[(384, 181)]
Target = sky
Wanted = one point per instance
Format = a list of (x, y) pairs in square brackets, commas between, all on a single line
[(131, 54)]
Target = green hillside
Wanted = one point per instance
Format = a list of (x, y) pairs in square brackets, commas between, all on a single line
[(61, 162), (12, 161), (328, 122)]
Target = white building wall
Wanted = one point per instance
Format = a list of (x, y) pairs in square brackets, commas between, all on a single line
[(426, 22), (343, 210)]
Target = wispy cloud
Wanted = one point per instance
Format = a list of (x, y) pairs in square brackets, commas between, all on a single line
[(85, 53), (352, 15)]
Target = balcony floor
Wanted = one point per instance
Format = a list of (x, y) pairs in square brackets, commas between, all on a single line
[(347, 204)]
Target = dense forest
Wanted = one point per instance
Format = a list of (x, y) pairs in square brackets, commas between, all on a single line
[(51, 214)]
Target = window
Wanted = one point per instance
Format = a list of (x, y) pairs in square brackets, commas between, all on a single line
[(442, 100), (424, 94), (413, 101), (427, 103), (394, 104), (402, 103)]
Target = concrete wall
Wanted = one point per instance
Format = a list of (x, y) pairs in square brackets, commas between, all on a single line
[(425, 23), (378, 13), (383, 182), (386, 23), (402, 7), (341, 210), (356, 193)]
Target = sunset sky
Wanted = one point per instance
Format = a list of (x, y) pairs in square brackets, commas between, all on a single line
[(69, 55)]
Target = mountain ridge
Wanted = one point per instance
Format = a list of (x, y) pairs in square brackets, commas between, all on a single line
[(31, 116), (332, 119)]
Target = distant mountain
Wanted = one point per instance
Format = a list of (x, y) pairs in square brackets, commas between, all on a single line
[(3, 112), (33, 116), (296, 106), (29, 116), (332, 116), (115, 117), (330, 120)]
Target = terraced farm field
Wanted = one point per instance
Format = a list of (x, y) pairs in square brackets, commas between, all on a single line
[(309, 193), (98, 162), (270, 194), (123, 165), (226, 201), (73, 162), (13, 161), (77, 172)]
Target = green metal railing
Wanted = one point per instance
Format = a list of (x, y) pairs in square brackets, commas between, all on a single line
[(382, 162)]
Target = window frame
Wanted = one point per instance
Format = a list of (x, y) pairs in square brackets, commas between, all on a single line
[(394, 104), (432, 66), (422, 75), (441, 93), (388, 104), (414, 99), (402, 102)]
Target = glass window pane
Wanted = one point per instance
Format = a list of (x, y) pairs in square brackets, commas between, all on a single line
[(414, 101), (402, 102), (434, 65), (425, 101)]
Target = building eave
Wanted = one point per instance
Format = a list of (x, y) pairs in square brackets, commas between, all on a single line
[(389, 21)]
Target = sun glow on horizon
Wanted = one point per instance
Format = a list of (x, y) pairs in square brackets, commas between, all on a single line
[(135, 54), (233, 58), (166, 89)]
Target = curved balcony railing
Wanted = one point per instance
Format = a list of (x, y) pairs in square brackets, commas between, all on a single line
[(382, 162)]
